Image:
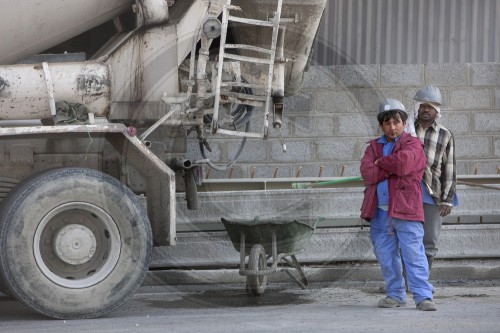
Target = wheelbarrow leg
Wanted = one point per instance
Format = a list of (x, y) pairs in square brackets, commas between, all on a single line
[(301, 280), (242, 263), (242, 251)]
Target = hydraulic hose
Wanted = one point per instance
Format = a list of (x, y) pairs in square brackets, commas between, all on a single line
[(241, 115), (233, 161)]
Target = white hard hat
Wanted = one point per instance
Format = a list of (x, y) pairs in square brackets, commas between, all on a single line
[(391, 104), (430, 94)]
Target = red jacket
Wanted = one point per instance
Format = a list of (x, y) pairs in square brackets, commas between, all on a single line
[(404, 168)]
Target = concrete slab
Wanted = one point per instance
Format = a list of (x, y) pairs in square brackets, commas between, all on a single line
[(331, 203), (443, 272), (214, 249)]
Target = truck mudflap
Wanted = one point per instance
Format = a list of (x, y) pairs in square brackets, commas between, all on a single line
[(160, 179)]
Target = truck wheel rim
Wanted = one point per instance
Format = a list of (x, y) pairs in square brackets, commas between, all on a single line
[(77, 245)]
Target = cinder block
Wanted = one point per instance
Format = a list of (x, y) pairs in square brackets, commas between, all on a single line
[(401, 75), (329, 169), (496, 147), (313, 125), (253, 151), (339, 149), (486, 74), (497, 99), (447, 75), (304, 126), (457, 122), (238, 171), (358, 75), (349, 168), (297, 151), (485, 122), (463, 168), (269, 170), (360, 124), (319, 77), (301, 102), (338, 100), (473, 146), (470, 99), (325, 125), (312, 170)]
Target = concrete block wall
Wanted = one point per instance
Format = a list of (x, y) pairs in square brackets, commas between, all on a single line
[(328, 122)]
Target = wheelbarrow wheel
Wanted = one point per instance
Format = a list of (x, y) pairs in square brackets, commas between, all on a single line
[(257, 261)]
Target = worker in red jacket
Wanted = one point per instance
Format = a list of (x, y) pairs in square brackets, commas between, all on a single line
[(392, 169)]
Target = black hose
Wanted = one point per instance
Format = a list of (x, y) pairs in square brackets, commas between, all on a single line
[(241, 115), (233, 161)]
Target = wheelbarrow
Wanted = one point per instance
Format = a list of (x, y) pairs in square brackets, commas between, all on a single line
[(267, 244)]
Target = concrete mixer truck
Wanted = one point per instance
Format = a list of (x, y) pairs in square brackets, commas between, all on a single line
[(96, 100)]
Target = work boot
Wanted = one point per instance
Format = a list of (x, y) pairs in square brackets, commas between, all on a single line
[(390, 302), (427, 305)]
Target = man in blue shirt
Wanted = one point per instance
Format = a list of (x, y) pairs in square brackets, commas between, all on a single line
[(392, 169)]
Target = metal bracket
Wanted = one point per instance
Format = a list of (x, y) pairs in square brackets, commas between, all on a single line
[(50, 88)]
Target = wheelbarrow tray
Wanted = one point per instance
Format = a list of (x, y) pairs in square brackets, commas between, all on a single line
[(291, 236)]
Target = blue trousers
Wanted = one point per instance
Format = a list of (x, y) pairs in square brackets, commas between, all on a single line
[(393, 238)]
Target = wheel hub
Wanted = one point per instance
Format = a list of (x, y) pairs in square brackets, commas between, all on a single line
[(75, 244)]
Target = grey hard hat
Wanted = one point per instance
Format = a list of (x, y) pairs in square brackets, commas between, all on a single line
[(391, 104), (429, 94)]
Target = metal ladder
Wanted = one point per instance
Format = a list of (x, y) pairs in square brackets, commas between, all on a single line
[(268, 58)]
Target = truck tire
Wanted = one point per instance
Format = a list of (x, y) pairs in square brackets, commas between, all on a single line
[(74, 243)]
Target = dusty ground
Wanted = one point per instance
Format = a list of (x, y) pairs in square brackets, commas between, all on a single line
[(463, 306)]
